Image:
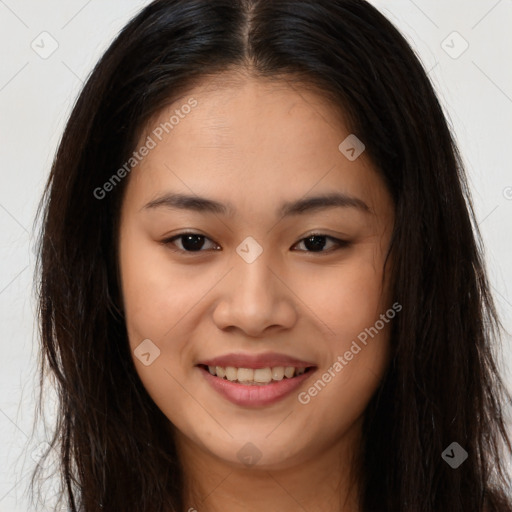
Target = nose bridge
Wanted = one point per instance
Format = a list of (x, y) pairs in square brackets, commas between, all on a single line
[(253, 298), (254, 279)]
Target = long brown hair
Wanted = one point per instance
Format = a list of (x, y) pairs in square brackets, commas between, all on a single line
[(442, 385)]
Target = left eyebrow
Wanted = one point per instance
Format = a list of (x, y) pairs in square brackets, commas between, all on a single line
[(322, 202), (297, 207)]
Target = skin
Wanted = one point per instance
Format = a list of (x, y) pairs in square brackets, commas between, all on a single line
[(255, 144)]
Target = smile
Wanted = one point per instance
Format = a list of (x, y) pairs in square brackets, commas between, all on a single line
[(259, 376), (255, 387)]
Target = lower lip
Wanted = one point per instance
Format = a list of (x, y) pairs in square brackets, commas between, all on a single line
[(254, 395)]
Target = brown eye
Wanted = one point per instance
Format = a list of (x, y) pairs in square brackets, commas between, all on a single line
[(317, 243), (190, 242), (195, 242)]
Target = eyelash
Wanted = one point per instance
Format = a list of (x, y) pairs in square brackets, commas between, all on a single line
[(341, 243)]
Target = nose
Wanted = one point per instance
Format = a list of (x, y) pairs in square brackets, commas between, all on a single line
[(255, 298)]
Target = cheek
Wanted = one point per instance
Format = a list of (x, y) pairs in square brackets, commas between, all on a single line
[(346, 298), (355, 357), (156, 300), (155, 294), (349, 302), (160, 301)]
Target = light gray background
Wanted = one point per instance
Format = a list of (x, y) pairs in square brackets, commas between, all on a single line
[(36, 95)]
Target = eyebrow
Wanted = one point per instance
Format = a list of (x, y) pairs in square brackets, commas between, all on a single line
[(289, 208)]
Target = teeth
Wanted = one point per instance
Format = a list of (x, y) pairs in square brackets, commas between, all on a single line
[(289, 371), (258, 376), (231, 373), (278, 373), (263, 375), (244, 375)]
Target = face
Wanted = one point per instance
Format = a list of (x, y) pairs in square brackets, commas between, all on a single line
[(257, 316)]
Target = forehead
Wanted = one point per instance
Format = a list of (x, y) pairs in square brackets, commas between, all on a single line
[(251, 136), (235, 111)]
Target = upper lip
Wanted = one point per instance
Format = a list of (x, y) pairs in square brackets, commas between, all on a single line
[(268, 359)]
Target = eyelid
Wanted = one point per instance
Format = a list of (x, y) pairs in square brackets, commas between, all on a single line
[(170, 240), (340, 242)]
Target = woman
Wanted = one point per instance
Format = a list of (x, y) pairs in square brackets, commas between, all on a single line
[(260, 286)]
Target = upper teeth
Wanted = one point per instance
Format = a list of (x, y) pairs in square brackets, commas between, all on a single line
[(258, 376)]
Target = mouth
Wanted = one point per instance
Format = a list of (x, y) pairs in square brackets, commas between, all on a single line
[(258, 386), (256, 376)]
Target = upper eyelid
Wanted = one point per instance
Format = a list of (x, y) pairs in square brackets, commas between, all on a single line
[(179, 235)]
